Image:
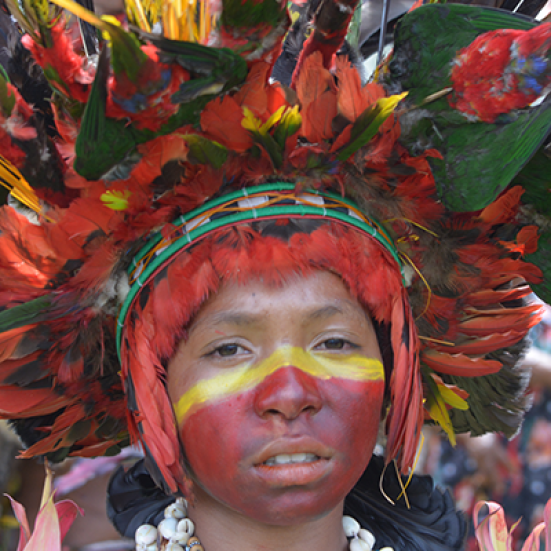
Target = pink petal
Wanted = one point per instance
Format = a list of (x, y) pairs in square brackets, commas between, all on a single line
[(492, 533), (67, 511), (533, 541), (46, 533), (21, 516), (547, 522)]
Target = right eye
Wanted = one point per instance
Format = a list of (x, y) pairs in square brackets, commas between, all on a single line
[(228, 350)]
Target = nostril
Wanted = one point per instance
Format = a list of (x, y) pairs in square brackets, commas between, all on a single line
[(297, 411)]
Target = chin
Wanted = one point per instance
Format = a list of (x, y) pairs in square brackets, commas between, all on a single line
[(292, 509)]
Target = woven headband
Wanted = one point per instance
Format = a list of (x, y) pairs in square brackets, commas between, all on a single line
[(268, 201)]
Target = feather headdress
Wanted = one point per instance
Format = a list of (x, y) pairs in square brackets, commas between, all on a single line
[(444, 156)]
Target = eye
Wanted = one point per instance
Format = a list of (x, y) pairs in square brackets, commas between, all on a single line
[(228, 350), (336, 344)]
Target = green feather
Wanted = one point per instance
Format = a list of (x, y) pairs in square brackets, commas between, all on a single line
[(205, 151), (368, 123), (221, 68), (120, 139), (542, 259), (249, 14), (480, 159), (128, 57), (34, 311), (427, 39), (289, 124), (7, 97), (101, 142), (535, 178)]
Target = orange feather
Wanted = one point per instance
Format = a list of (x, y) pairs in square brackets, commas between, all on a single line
[(221, 121), (460, 364)]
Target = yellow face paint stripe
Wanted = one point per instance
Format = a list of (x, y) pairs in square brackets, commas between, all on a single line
[(239, 379)]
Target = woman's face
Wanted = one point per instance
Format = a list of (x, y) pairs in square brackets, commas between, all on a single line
[(278, 395)]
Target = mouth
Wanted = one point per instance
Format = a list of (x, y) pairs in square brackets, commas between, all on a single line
[(297, 461), (291, 459), (292, 451)]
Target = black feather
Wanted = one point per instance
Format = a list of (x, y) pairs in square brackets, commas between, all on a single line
[(497, 402)]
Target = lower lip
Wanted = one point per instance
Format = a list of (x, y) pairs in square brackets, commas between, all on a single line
[(294, 474)]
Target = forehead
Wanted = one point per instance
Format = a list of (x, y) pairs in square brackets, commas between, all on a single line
[(319, 295)]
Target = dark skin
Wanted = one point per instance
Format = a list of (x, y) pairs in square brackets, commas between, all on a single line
[(298, 349)]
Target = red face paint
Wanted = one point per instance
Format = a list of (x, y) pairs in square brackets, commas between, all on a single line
[(231, 441)]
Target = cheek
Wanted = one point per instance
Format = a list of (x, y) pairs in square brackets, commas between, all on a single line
[(353, 427), (213, 440)]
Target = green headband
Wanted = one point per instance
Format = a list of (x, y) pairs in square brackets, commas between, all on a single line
[(267, 201)]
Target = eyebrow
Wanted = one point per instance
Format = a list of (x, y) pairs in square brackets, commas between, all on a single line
[(243, 319), (324, 312)]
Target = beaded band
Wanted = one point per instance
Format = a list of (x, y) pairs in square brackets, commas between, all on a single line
[(268, 201)]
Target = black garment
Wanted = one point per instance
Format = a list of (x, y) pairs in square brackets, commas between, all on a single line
[(430, 524)]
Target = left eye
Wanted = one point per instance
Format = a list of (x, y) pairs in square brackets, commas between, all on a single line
[(336, 344)]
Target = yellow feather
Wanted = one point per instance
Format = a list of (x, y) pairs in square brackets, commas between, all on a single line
[(13, 180), (83, 13), (185, 20), (136, 13)]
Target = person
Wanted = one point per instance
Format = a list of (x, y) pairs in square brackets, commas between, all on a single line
[(256, 283)]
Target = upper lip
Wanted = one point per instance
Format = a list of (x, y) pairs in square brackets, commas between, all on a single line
[(289, 446)]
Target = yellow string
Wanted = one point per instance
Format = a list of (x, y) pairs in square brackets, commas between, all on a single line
[(403, 492), (405, 238), (437, 341), (413, 224), (404, 256), (381, 489), (417, 457)]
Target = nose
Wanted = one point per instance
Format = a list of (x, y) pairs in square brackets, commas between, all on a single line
[(287, 393)]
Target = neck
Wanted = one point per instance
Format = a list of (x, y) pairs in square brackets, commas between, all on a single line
[(222, 529)]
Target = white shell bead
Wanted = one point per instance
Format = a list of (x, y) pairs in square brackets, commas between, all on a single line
[(175, 510), (168, 527), (359, 545), (386, 549), (350, 526), (180, 538), (366, 536), (146, 534), (186, 525), (143, 547), (174, 547)]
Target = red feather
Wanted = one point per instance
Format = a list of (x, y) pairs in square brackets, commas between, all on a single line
[(460, 364)]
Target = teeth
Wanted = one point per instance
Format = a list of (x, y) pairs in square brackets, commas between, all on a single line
[(284, 459)]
